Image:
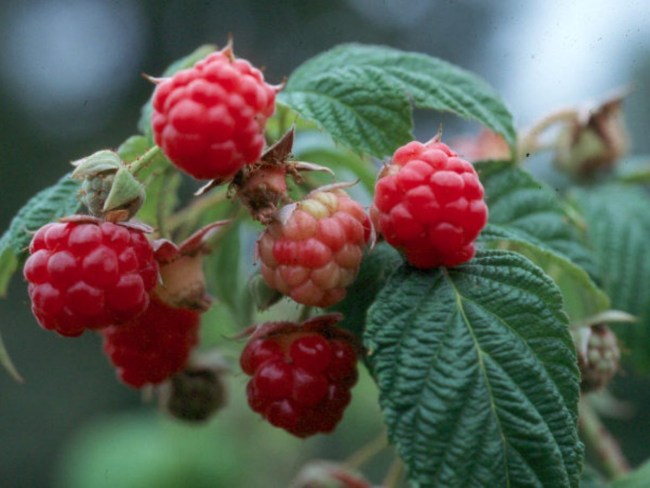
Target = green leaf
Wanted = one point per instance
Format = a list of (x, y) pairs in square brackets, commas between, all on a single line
[(133, 148), (636, 479), (376, 267), (618, 229), (530, 217), (477, 374), (591, 479), (144, 124), (360, 95), (46, 206), (8, 266)]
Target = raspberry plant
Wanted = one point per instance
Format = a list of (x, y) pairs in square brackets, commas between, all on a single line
[(465, 325)]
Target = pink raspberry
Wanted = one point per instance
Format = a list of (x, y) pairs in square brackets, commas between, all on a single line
[(312, 251), (88, 275), (429, 205), (301, 374), (154, 346), (209, 119)]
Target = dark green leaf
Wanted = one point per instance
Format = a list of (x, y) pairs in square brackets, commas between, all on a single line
[(144, 124), (531, 217), (618, 228), (46, 206), (376, 267), (477, 374), (360, 95)]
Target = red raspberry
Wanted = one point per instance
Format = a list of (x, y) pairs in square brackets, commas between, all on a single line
[(313, 249), (154, 346), (84, 274), (429, 205), (209, 119), (301, 374)]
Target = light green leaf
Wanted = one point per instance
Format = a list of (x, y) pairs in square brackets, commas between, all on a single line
[(618, 229), (531, 218), (639, 478), (477, 374), (360, 95)]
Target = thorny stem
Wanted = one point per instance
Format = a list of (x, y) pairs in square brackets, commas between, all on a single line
[(394, 474), (530, 143), (598, 438), (145, 160), (366, 452)]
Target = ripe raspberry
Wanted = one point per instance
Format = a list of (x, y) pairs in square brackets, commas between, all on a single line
[(313, 249), (87, 274), (429, 205), (209, 119), (301, 374), (598, 356), (154, 346)]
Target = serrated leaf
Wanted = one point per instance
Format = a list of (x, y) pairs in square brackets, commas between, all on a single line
[(477, 374), (46, 206), (144, 124), (530, 216), (376, 267), (358, 94), (618, 229)]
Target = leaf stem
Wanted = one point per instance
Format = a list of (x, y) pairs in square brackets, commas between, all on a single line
[(145, 160), (598, 438), (530, 143), (367, 452), (394, 474)]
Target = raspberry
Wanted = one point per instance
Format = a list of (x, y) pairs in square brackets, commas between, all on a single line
[(313, 249), (301, 374), (154, 346), (209, 120), (84, 274), (598, 356), (429, 205)]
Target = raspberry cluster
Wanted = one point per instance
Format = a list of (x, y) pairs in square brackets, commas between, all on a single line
[(154, 346), (87, 274), (209, 119), (313, 249), (301, 374), (429, 205)]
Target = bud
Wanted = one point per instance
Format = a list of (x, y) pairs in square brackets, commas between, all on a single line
[(197, 392), (323, 474), (108, 186), (598, 356), (594, 141)]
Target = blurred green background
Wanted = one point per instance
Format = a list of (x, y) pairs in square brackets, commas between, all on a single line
[(70, 84)]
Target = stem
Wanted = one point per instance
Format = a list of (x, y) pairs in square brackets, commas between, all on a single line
[(145, 160), (530, 141), (394, 474), (366, 452), (188, 213), (598, 438)]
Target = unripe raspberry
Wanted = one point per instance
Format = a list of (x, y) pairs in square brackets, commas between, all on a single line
[(154, 346), (429, 205), (598, 356), (313, 249), (84, 274), (209, 119), (301, 374)]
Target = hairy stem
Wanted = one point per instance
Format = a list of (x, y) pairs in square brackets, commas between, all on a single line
[(145, 160), (597, 437), (367, 452)]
